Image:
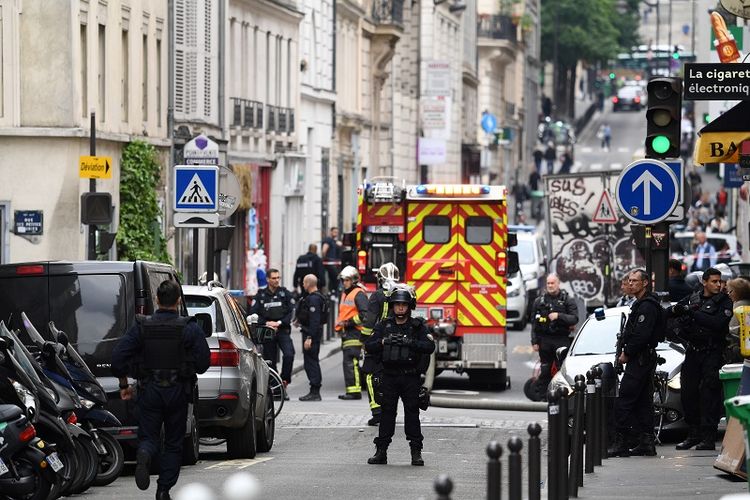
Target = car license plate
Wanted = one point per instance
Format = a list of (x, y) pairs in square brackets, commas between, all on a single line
[(3, 467), (54, 461), (442, 345), (387, 229)]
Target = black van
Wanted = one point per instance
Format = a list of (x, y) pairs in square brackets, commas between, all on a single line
[(94, 303)]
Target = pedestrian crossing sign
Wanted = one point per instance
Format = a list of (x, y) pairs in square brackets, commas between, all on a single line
[(196, 188)]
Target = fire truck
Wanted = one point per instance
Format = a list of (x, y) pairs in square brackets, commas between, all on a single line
[(450, 241)]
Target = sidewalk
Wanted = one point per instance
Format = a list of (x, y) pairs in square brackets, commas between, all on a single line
[(327, 349)]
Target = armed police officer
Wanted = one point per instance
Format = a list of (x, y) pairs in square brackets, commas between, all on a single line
[(164, 352), (704, 318), (274, 306), (634, 406), (377, 311), (403, 345), (554, 315), (311, 316)]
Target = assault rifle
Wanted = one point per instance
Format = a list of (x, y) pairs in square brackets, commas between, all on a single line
[(620, 344)]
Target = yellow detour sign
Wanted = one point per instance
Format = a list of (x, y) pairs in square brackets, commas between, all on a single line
[(742, 313), (719, 147), (95, 167)]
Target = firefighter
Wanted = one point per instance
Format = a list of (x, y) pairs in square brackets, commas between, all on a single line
[(402, 344), (352, 313), (377, 311), (164, 352)]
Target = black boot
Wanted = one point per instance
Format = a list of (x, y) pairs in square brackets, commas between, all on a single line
[(163, 495), (379, 458), (619, 446), (313, 395), (645, 446), (142, 469), (351, 395), (692, 439), (416, 456), (708, 442)]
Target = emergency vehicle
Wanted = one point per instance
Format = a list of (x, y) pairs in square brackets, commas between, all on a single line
[(451, 243)]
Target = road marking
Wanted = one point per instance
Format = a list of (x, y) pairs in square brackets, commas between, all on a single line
[(623, 150), (522, 349), (596, 166), (616, 166), (240, 463), (587, 149)]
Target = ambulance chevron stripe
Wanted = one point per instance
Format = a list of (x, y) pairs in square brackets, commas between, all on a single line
[(360, 208), (387, 210), (440, 292)]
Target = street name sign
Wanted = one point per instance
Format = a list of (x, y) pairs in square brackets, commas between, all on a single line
[(196, 188), (95, 167), (647, 191)]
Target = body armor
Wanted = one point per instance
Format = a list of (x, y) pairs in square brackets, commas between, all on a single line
[(164, 359)]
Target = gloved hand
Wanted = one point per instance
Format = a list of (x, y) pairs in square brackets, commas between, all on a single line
[(407, 341), (680, 309)]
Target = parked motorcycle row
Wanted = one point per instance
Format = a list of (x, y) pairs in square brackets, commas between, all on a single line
[(53, 437)]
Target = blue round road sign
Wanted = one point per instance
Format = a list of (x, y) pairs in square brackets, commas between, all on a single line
[(489, 122), (647, 191)]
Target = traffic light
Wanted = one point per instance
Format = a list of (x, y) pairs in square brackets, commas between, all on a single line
[(612, 75), (96, 208), (676, 53), (663, 117)]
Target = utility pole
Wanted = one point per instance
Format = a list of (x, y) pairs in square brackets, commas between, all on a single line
[(91, 254)]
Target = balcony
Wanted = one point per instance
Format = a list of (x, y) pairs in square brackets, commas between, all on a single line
[(280, 120), (496, 27), (388, 12), (246, 114)]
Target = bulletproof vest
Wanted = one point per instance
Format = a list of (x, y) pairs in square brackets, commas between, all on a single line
[(706, 305), (274, 306), (659, 332), (164, 353), (395, 353), (548, 305), (303, 309)]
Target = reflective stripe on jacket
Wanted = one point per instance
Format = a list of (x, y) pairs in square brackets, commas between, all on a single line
[(348, 309)]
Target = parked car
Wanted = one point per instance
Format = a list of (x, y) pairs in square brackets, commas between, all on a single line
[(235, 399), (532, 256), (682, 247), (629, 97), (517, 314)]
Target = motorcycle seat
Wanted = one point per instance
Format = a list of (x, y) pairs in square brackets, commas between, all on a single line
[(9, 412)]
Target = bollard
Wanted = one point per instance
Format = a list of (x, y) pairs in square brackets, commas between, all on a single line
[(563, 444), (494, 471), (575, 476), (514, 468), (443, 487), (535, 461), (597, 416), (603, 443), (553, 444), (590, 390)]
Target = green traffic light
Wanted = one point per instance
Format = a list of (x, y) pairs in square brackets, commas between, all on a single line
[(676, 55), (660, 144), (612, 76)]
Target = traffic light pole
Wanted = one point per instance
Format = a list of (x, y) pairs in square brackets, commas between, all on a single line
[(91, 253)]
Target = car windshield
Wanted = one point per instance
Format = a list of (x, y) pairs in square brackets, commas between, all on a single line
[(209, 305), (525, 249), (600, 337)]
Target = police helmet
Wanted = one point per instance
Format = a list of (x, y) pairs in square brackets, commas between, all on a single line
[(349, 272), (388, 272), (403, 294)]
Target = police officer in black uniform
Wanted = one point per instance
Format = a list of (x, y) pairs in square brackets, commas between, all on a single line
[(402, 342), (274, 306), (308, 263), (704, 324), (164, 352), (634, 406), (311, 316), (554, 315)]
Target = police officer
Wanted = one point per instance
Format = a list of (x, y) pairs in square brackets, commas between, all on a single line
[(308, 263), (332, 251), (677, 287), (554, 315), (402, 343), (352, 315), (311, 316), (705, 316), (634, 406), (377, 311), (274, 306), (164, 352)]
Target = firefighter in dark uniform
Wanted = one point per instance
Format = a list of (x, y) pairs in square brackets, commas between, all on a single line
[(634, 406), (704, 319), (377, 311), (403, 344), (311, 316), (349, 325), (554, 316), (274, 306), (164, 352), (308, 263)]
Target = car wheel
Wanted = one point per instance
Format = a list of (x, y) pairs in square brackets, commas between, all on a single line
[(192, 444), (268, 426), (241, 442)]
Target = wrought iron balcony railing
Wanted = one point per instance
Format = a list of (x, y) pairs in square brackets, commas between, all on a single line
[(497, 27), (388, 11)]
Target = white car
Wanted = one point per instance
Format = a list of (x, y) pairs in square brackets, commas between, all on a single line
[(682, 245), (532, 254), (516, 302)]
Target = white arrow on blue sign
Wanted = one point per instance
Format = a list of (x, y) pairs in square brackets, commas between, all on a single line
[(196, 188), (647, 191)]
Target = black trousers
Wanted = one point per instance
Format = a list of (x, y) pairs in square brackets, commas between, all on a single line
[(168, 406), (701, 391), (405, 387), (312, 363), (548, 345), (283, 342), (634, 406)]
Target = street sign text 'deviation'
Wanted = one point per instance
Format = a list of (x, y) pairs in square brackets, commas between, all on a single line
[(95, 167)]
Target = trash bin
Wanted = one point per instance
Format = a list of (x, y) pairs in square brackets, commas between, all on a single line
[(739, 408), (730, 379)]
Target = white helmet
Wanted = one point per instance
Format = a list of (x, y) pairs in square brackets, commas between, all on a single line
[(349, 272), (388, 272)]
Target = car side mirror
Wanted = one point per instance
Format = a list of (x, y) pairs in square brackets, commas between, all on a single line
[(513, 265), (560, 354), (5, 343), (206, 322)]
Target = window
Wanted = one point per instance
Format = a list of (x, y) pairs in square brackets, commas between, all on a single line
[(102, 75), (478, 230), (436, 229), (209, 305), (84, 73), (525, 249), (240, 315), (125, 75)]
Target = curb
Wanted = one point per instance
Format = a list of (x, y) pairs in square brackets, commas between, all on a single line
[(486, 404)]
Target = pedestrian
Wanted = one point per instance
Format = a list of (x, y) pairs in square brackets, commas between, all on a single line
[(566, 163), (550, 154), (164, 352), (718, 224), (626, 297), (705, 253), (308, 263), (677, 287), (331, 250), (634, 406), (311, 316), (705, 318), (377, 311), (720, 200), (538, 156), (352, 315), (403, 345), (605, 134), (554, 314), (695, 180), (738, 290), (274, 306), (537, 195)]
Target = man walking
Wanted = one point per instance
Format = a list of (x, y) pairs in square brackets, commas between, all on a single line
[(311, 314), (352, 314), (308, 263)]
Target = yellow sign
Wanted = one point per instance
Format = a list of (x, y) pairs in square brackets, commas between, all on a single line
[(95, 167), (719, 147), (742, 313)]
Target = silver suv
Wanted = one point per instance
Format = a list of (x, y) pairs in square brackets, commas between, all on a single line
[(235, 400)]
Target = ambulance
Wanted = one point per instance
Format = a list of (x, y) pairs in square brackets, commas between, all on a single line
[(450, 241)]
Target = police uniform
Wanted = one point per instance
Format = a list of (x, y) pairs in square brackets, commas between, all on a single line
[(634, 406), (377, 311), (277, 305), (332, 262), (402, 369), (311, 317), (308, 263), (705, 332), (352, 314), (164, 352), (550, 335)]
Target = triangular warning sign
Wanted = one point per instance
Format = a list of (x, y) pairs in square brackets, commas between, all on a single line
[(605, 211), (196, 193)]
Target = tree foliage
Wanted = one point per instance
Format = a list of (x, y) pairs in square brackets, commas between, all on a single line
[(139, 236)]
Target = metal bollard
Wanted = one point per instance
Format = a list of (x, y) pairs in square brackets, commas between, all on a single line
[(494, 471), (443, 487), (553, 443), (603, 439), (575, 476), (563, 444), (597, 415), (535, 461), (514, 468), (590, 390)]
